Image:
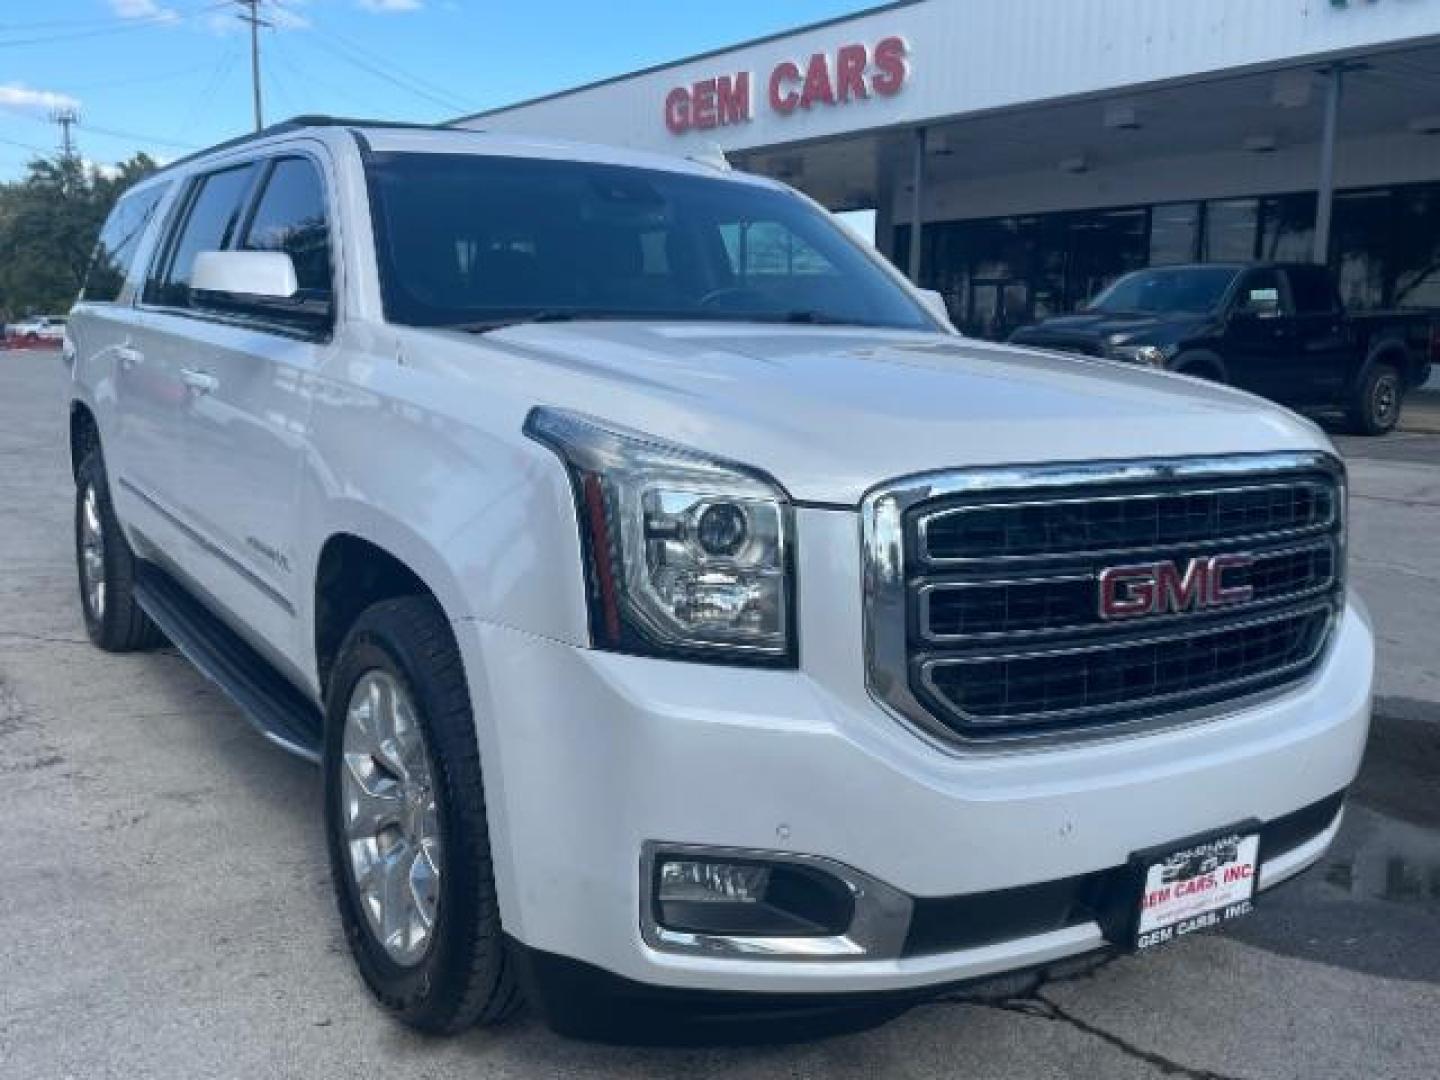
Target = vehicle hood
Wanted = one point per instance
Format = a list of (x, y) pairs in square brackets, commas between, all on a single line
[(832, 412), (1103, 327)]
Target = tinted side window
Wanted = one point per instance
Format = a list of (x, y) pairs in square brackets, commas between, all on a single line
[(209, 225), (1260, 293), (1311, 291), (290, 217), (119, 240)]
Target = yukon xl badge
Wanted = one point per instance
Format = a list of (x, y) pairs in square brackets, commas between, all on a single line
[(1163, 588)]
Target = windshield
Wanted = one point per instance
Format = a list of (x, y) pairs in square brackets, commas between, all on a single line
[(466, 240), (1174, 289)]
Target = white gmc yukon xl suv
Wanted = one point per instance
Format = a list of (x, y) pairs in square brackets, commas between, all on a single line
[(683, 616)]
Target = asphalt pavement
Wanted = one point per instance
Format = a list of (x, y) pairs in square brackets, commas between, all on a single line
[(165, 908)]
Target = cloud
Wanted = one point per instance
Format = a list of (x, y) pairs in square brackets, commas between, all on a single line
[(20, 96), (390, 7), (143, 9)]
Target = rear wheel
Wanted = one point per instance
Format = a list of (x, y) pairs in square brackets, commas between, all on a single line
[(106, 566), (405, 817), (1377, 400)]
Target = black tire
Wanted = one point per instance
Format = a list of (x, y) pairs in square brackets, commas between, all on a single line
[(1377, 400), (465, 975), (113, 619)]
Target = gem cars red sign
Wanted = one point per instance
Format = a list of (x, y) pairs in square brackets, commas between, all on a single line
[(851, 74)]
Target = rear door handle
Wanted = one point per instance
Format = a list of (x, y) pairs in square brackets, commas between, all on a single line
[(202, 382)]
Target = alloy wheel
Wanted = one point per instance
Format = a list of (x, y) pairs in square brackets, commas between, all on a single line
[(92, 552), (1385, 399), (390, 817)]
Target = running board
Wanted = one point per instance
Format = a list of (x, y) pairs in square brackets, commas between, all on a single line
[(269, 701)]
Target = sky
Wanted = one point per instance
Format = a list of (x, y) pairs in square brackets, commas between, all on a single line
[(172, 76)]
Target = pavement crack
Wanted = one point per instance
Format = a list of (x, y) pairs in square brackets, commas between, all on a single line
[(52, 639), (1033, 1003)]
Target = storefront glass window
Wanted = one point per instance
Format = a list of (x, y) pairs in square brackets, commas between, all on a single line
[(1360, 234), (1001, 273), (1287, 228), (1174, 233), (1230, 226), (1415, 248)]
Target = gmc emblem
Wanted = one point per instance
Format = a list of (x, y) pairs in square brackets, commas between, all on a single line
[(1162, 588)]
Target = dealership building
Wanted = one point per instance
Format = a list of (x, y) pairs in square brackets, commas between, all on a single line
[(1019, 155)]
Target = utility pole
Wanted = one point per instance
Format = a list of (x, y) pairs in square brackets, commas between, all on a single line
[(253, 18), (67, 118)]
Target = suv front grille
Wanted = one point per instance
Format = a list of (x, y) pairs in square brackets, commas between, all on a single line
[(984, 588)]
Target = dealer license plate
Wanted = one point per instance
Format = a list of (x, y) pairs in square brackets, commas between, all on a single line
[(1202, 885)]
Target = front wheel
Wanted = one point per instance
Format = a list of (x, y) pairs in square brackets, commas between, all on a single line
[(405, 821), (1377, 400), (106, 566)]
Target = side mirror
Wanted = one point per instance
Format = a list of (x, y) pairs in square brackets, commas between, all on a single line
[(268, 275), (935, 304)]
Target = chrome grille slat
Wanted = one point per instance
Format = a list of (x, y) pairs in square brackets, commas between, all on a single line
[(1315, 525), (924, 598), (986, 634)]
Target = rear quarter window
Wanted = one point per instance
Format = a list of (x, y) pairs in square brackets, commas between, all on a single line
[(118, 244)]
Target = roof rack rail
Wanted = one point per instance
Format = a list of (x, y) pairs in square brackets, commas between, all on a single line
[(296, 123)]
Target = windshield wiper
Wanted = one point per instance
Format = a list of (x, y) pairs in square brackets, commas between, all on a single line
[(485, 326), (818, 318)]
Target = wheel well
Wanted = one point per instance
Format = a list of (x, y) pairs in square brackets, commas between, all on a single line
[(1398, 357), (84, 434), (353, 574)]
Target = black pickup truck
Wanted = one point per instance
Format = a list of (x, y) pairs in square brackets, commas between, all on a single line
[(1278, 330)]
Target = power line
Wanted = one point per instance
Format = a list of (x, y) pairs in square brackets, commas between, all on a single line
[(394, 77), (118, 133), (27, 146), (163, 76), (279, 54), (118, 26)]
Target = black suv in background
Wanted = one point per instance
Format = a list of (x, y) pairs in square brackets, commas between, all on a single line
[(1278, 330)]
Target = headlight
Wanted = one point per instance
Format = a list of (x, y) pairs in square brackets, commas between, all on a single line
[(687, 556), (1149, 355)]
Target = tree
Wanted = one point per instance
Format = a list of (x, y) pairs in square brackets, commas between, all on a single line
[(48, 224)]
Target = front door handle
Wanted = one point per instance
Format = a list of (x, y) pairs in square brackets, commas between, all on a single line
[(128, 356), (202, 382)]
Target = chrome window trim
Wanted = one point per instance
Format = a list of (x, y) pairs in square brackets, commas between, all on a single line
[(884, 583), (877, 930), (924, 592)]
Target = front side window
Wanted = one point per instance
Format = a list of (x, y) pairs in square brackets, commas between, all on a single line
[(1260, 293), (119, 241), (468, 240), (210, 224), (290, 217)]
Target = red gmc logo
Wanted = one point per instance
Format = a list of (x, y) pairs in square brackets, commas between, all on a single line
[(1162, 588)]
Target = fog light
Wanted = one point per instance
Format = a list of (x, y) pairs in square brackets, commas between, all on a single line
[(712, 882), (715, 896)]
